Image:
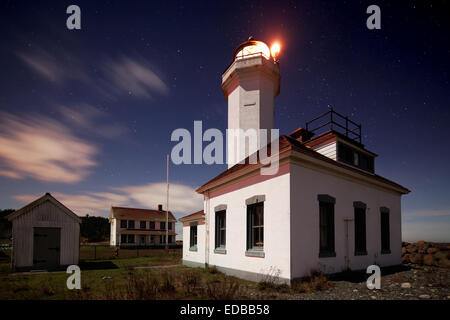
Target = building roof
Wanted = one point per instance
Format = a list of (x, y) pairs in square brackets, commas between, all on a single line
[(289, 144), (35, 203), (199, 215), (139, 214)]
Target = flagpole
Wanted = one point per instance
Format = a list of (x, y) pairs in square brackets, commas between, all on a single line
[(167, 204)]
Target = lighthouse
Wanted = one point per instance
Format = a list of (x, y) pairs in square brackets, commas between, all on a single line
[(250, 84)]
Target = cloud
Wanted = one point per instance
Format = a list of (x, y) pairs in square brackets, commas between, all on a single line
[(183, 199), (112, 77), (41, 148), (134, 76), (426, 213), (89, 119), (56, 68)]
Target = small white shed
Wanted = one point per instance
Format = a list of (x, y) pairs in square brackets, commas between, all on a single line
[(46, 235)]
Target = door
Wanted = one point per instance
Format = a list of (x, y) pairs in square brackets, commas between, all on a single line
[(46, 248)]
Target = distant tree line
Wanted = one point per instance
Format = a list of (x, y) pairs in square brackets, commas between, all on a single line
[(94, 229), (5, 225)]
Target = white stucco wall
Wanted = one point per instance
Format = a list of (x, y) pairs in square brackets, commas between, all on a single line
[(197, 257), (276, 228), (306, 184)]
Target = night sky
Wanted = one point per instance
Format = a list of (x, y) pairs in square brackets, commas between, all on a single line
[(87, 114)]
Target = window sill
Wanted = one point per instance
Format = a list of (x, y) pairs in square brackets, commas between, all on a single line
[(386, 251), (220, 250), (255, 253), (361, 253), (327, 254), (193, 248)]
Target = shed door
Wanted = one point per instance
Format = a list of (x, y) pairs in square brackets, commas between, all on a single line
[(46, 247)]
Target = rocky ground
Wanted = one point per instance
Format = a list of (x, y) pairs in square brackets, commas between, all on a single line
[(424, 275), (401, 283)]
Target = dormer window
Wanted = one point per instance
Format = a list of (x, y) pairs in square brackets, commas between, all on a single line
[(354, 157)]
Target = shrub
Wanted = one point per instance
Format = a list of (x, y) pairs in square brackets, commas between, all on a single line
[(317, 281), (225, 289), (190, 281)]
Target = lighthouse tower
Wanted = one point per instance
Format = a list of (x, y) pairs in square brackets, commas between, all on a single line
[(250, 84)]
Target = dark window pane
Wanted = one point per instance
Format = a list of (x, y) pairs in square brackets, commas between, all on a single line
[(360, 230), (385, 233), (131, 238), (162, 225), (130, 224), (220, 228), (123, 238), (152, 224), (123, 223), (169, 226), (143, 225), (193, 236), (326, 227), (255, 221)]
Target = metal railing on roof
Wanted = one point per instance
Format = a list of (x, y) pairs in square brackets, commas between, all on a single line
[(350, 128)]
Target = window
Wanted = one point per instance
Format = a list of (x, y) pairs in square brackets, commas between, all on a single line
[(170, 239), (123, 223), (326, 225), (385, 233), (360, 228), (255, 226), (169, 225), (355, 158), (220, 229), (162, 226), (162, 239), (143, 225), (142, 240), (152, 225), (123, 237), (130, 238), (193, 237), (130, 224)]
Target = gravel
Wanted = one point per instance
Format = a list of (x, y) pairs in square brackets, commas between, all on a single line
[(401, 283)]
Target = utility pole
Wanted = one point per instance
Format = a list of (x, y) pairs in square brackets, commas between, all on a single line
[(167, 206)]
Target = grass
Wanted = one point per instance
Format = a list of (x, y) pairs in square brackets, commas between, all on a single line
[(165, 278)]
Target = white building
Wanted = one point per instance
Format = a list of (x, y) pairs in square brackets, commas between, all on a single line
[(325, 209), (141, 227), (46, 235)]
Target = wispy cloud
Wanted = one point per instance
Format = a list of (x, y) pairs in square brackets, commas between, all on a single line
[(42, 148), (134, 76), (127, 75), (425, 213), (57, 68), (91, 120), (183, 199)]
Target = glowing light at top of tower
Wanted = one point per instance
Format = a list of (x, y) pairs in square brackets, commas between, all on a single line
[(252, 48), (275, 50)]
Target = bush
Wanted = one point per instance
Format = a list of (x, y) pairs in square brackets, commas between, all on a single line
[(317, 281), (225, 289), (190, 281)]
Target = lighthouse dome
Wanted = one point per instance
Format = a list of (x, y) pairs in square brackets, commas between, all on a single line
[(252, 48)]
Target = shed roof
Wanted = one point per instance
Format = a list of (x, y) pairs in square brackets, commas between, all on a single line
[(44, 198)]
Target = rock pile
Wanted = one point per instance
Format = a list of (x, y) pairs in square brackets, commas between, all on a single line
[(426, 253)]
